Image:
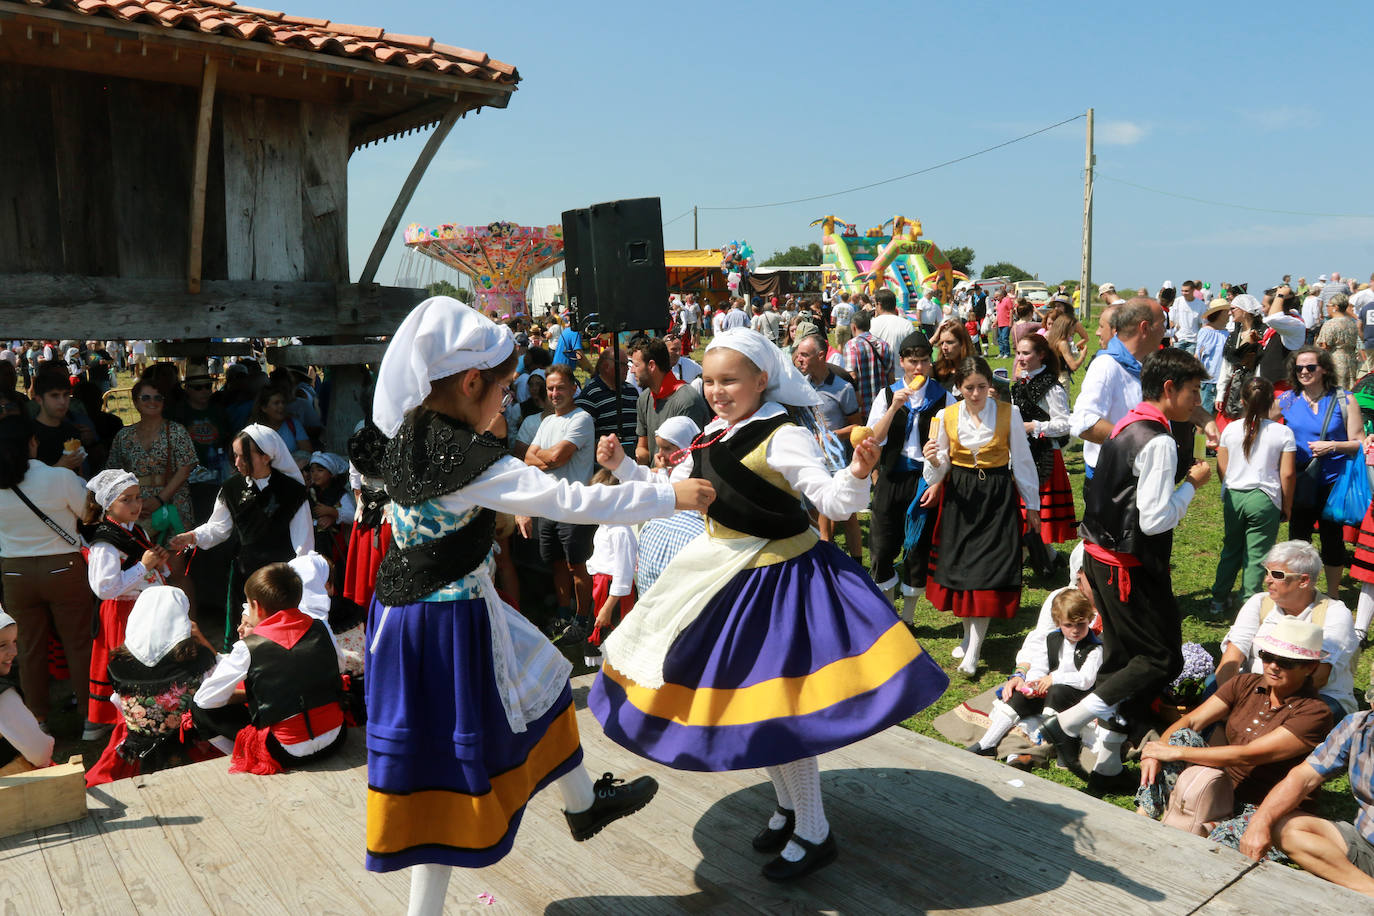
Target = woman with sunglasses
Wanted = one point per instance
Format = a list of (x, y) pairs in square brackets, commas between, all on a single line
[(159, 452), (1328, 426), (1271, 720), (1290, 591)]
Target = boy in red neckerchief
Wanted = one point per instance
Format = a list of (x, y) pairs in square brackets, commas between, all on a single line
[(276, 695)]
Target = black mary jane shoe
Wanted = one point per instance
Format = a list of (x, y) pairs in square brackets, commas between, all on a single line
[(977, 748), (818, 855), (770, 840)]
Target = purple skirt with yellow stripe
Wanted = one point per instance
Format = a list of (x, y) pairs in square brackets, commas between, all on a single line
[(788, 661), (447, 778)]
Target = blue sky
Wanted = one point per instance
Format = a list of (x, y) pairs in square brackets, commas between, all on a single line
[(1253, 104)]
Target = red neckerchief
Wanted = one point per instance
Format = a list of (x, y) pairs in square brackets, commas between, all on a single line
[(285, 628), (1267, 336), (1142, 411), (670, 384)]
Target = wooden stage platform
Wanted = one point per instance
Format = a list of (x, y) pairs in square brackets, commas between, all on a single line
[(922, 827)]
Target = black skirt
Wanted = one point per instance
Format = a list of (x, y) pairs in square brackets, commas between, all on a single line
[(980, 531)]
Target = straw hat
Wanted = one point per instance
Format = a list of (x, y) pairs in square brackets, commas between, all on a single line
[(1295, 639), (1219, 304)]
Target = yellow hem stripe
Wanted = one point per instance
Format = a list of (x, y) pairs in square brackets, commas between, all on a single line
[(450, 818), (777, 697)]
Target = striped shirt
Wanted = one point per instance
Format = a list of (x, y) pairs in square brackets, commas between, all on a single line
[(598, 400), (1350, 747), (869, 360)]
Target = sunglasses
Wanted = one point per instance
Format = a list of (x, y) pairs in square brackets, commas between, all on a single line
[(1307, 367), (1278, 575), (1287, 664), (150, 398), (199, 387)]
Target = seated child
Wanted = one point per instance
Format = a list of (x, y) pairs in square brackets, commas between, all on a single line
[(1061, 673), (23, 743), (331, 503), (276, 695), (612, 568), (155, 672), (346, 620)]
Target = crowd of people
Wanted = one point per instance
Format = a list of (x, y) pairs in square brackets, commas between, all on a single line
[(254, 589)]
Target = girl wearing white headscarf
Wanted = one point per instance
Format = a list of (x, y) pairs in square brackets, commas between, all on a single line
[(23, 743), (331, 504), (703, 675), (155, 673), (265, 502), (469, 706), (122, 562)]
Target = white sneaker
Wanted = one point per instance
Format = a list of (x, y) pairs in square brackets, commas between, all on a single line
[(957, 652)]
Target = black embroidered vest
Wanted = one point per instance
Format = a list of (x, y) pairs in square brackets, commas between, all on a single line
[(1110, 517), (744, 501), (1054, 645), (262, 518), (121, 539), (891, 455), (432, 455)]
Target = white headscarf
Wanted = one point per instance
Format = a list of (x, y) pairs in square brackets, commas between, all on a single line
[(161, 619), (273, 447), (314, 572), (6, 620), (334, 464), (786, 385), (1247, 303), (678, 430), (441, 337), (107, 485)]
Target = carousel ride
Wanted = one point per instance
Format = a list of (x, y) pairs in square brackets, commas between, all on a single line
[(500, 258)]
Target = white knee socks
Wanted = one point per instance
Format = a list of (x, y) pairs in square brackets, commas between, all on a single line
[(1090, 707), (428, 885), (777, 821), (1002, 718), (975, 628), (1364, 610), (803, 778), (577, 791), (1108, 749)]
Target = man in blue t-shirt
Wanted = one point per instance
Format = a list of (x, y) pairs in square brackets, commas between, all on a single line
[(567, 348)]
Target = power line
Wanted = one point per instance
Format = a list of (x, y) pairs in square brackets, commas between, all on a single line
[(1219, 203), (678, 217), (931, 168)]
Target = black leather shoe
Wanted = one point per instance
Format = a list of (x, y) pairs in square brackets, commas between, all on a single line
[(1120, 784), (977, 748), (1066, 747), (615, 799), (818, 855), (770, 840)]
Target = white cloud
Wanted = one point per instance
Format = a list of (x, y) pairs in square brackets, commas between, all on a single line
[(1279, 117), (1119, 133)]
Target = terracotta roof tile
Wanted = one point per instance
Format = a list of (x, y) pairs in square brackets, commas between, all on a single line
[(249, 23)]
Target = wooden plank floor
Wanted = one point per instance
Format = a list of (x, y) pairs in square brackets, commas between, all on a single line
[(923, 827)]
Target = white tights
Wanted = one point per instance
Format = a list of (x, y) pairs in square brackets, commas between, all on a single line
[(1364, 610), (799, 783), (975, 628)]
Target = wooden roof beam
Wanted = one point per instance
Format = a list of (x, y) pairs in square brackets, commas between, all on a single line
[(200, 173), (201, 42)]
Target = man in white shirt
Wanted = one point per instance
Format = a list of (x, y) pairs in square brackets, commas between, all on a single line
[(931, 313), (1111, 386), (1185, 316), (684, 367), (1313, 311), (887, 325), (841, 314), (565, 447)]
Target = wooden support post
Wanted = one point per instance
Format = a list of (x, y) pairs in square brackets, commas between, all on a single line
[(1085, 291), (199, 176), (417, 171)]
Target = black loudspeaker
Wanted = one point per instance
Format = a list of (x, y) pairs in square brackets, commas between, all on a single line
[(613, 254)]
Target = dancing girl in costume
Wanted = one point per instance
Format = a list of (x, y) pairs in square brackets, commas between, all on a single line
[(704, 674), (469, 708), (977, 463)]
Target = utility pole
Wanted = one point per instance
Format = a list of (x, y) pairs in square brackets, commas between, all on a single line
[(1085, 273), (695, 245)]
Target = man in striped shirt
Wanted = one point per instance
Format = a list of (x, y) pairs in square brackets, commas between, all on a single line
[(598, 398), (1339, 851), (868, 360)]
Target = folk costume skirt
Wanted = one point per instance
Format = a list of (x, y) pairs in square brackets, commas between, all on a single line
[(1362, 569), (448, 777), (1058, 519), (112, 618), (792, 654), (975, 565), (366, 548)]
